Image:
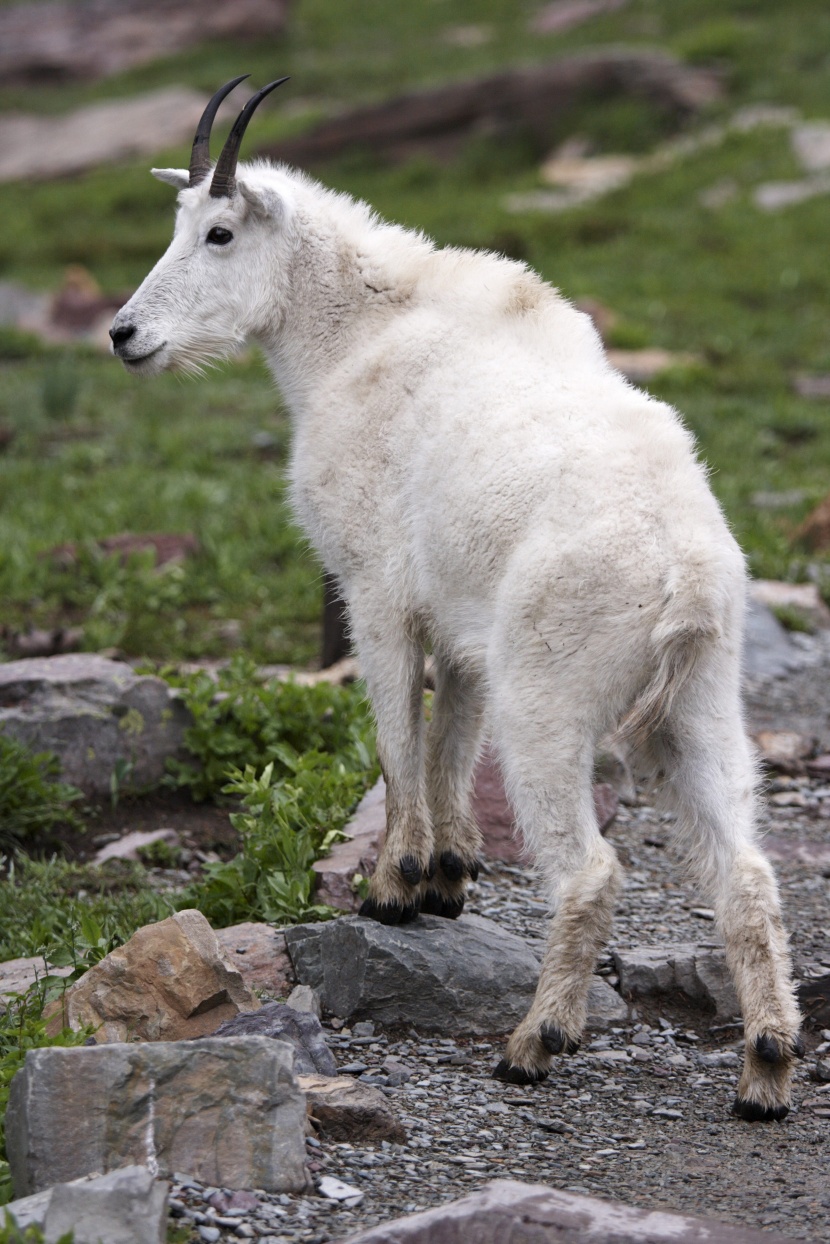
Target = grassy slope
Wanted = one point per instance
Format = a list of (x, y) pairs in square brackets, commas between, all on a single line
[(745, 290)]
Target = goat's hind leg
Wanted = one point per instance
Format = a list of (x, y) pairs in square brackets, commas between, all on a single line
[(583, 874), (712, 776), (393, 666), (452, 748)]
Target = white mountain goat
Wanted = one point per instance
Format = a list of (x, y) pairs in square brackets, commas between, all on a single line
[(481, 480)]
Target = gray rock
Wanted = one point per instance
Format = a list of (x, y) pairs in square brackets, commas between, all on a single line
[(467, 976), (29, 1211), (606, 1009), (94, 714), (768, 650), (304, 998), (227, 1112), (508, 1212), (692, 975), (301, 1029), (125, 1207)]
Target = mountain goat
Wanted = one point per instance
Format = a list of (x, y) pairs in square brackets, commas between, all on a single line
[(481, 480)]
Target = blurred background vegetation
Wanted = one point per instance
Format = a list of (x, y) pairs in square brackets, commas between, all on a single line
[(682, 255)]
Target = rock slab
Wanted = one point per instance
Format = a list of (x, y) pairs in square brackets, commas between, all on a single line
[(508, 1212), (227, 1112), (125, 1207), (96, 715), (467, 976), (170, 981), (696, 976), (301, 1029)]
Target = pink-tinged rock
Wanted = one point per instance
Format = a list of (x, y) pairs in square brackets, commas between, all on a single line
[(358, 854), (366, 830), (803, 599), (508, 1212), (259, 954), (170, 981), (813, 855), (495, 816)]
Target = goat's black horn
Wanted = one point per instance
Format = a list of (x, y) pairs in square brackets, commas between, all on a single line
[(200, 155), (224, 181)]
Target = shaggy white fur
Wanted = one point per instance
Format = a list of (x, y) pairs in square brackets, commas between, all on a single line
[(481, 480)]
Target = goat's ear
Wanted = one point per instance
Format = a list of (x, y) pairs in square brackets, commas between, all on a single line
[(179, 178), (263, 203)]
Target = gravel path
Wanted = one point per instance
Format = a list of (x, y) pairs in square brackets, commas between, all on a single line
[(641, 1114)]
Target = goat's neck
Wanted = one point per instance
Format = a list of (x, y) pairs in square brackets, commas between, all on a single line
[(326, 305)]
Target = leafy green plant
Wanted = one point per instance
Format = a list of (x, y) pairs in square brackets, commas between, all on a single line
[(42, 901), (60, 388), (239, 720), (12, 1234), (32, 799), (286, 824)]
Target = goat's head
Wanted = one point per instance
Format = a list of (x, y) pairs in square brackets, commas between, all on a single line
[(214, 285)]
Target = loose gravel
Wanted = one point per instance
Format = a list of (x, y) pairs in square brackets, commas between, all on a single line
[(640, 1114)]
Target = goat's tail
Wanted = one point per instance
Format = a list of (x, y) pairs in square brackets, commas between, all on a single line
[(690, 622)]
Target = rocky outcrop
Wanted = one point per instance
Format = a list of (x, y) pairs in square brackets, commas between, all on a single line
[(170, 981), (96, 715), (228, 1112)]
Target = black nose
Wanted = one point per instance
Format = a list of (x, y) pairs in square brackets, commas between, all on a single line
[(120, 335)]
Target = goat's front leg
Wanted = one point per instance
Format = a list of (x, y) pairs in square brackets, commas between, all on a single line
[(393, 667), (452, 748)]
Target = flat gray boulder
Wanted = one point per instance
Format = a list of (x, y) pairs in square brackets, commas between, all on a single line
[(465, 977), (94, 714), (462, 976), (509, 1212), (695, 976), (227, 1112)]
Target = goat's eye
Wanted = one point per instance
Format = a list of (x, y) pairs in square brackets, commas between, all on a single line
[(219, 236)]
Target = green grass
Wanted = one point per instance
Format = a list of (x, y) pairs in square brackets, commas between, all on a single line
[(746, 291)]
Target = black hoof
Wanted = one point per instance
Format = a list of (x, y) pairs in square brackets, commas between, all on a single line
[(434, 904), (452, 865), (555, 1041), (389, 913), (767, 1048), (754, 1112), (799, 1048), (517, 1075), (454, 868), (410, 870)]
